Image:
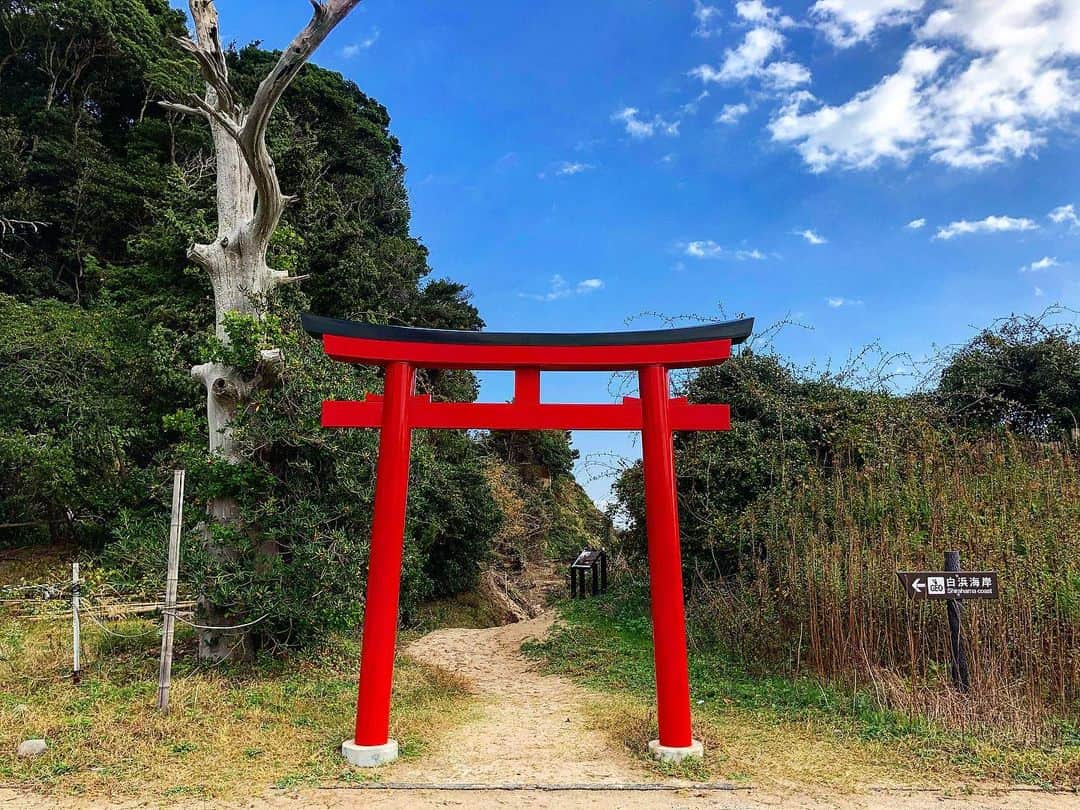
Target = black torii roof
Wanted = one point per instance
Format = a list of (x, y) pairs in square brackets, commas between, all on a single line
[(735, 331)]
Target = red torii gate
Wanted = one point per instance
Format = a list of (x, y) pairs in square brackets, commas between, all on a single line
[(401, 350)]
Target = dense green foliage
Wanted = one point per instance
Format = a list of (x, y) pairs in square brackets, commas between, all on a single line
[(102, 317), (783, 426), (547, 451), (1024, 374)]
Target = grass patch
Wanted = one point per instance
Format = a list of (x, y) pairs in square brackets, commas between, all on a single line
[(777, 729), (231, 729)]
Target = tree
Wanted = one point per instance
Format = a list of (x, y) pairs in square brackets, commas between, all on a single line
[(1022, 374), (250, 204)]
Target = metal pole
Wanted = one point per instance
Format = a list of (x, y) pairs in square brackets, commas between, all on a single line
[(384, 567), (168, 623), (76, 634), (665, 563), (960, 675)]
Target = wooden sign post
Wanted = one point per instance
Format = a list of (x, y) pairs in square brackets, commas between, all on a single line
[(171, 578), (951, 586)]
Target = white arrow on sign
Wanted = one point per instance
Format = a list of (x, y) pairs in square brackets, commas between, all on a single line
[(917, 586)]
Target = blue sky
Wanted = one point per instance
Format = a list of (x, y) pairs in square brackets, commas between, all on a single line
[(892, 170)]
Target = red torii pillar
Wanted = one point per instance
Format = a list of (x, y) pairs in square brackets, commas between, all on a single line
[(402, 350)]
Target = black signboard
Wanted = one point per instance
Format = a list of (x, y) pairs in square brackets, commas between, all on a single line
[(950, 584)]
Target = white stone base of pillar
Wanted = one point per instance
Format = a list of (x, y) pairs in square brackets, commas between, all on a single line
[(666, 753), (369, 756)]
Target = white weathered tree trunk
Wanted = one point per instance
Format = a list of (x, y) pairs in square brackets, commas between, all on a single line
[(249, 207)]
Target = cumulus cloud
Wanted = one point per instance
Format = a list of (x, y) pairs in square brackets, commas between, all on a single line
[(709, 249), (888, 120), (755, 11), (731, 113), (751, 58), (846, 22), (748, 59), (638, 127), (811, 236), (983, 82), (839, 301), (991, 224), (560, 288), (1063, 214), (1042, 264), (708, 20), (916, 224)]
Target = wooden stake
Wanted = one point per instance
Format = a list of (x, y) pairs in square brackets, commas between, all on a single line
[(169, 613), (960, 675), (76, 640)]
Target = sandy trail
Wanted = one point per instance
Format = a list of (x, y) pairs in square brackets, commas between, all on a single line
[(528, 729)]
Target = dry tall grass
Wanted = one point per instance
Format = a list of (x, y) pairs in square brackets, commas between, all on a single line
[(825, 597)]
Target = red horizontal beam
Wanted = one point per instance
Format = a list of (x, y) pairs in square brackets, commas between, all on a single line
[(425, 414), (497, 357)]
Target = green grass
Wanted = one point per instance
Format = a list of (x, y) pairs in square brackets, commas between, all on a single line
[(232, 730), (606, 643)]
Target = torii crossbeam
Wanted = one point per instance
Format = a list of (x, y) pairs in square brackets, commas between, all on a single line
[(402, 350)]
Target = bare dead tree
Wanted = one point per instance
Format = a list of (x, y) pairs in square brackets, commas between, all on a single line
[(249, 206)]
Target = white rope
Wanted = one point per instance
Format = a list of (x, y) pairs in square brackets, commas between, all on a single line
[(101, 624), (209, 627)]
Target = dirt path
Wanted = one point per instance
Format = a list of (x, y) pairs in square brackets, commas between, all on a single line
[(527, 730)]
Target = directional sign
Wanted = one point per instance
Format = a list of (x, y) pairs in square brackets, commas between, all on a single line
[(950, 584)]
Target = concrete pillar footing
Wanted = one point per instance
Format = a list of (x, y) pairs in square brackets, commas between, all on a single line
[(369, 756), (666, 753)]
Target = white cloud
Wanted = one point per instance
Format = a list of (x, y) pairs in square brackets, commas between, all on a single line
[(1042, 264), (353, 48), (753, 253), (887, 120), (915, 224), (731, 113), (708, 19), (751, 60), (747, 59), (1038, 292), (708, 249), (691, 107), (755, 11), (568, 169), (785, 75), (638, 127), (811, 236), (839, 301), (984, 82), (1064, 213), (992, 224), (846, 22), (560, 289)]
